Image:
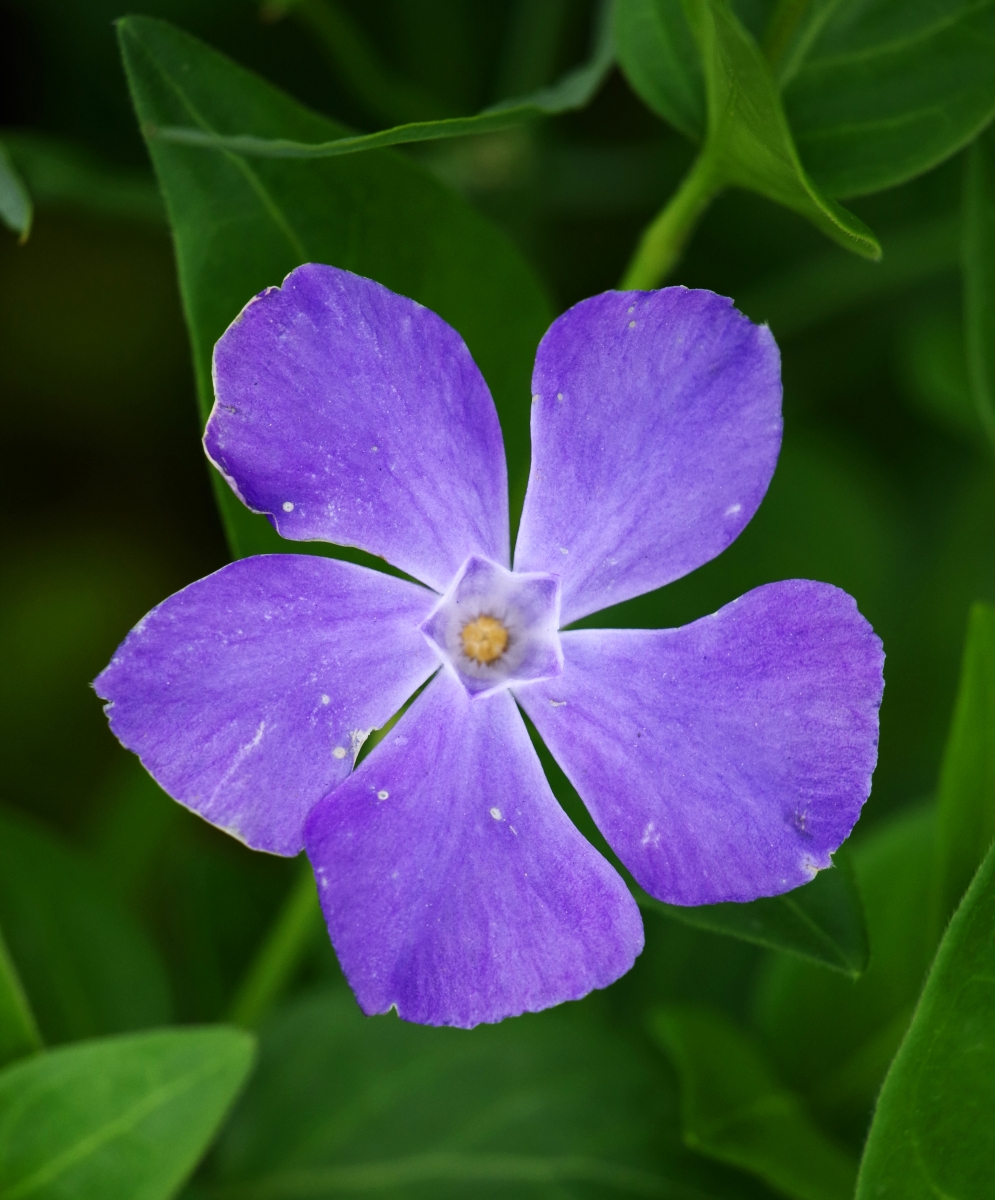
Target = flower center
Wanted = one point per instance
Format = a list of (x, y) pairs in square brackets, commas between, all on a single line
[(484, 639)]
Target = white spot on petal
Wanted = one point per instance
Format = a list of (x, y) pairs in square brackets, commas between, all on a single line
[(650, 836), (496, 814), (564, 550), (288, 506), (733, 509), (326, 699), (631, 309), (559, 396), (339, 752), (557, 703), (382, 794), (632, 324)]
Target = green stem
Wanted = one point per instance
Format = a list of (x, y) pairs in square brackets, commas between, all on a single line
[(18, 1031), (280, 955), (664, 240)]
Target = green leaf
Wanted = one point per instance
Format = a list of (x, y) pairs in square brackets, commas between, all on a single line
[(878, 93), (979, 277), (240, 226), (122, 1118), (733, 1108), (657, 52), (822, 921), (966, 816), (18, 1030), (748, 135), (547, 1105), (874, 94), (832, 1039), (747, 144), (933, 1133), (59, 174), (575, 90), (86, 966), (16, 210)]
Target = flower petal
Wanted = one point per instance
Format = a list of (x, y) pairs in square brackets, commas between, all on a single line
[(248, 694), (454, 886), (728, 759), (656, 425), (350, 414)]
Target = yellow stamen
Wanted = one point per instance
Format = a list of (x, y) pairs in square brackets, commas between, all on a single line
[(484, 639)]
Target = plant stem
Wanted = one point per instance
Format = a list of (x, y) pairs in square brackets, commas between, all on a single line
[(664, 240), (280, 955)]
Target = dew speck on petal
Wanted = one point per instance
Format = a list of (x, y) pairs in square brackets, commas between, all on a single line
[(496, 814), (288, 506)]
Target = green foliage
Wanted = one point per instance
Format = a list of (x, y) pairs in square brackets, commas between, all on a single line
[(59, 174), (979, 277), (571, 92), (122, 1118), (240, 226), (747, 144), (966, 816), (551, 1105), (16, 209), (832, 1039), (734, 1109), (822, 921), (18, 1030), (86, 966), (878, 93), (933, 1133), (874, 94)]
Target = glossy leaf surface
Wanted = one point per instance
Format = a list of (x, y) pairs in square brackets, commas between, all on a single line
[(242, 225), (874, 93), (879, 92), (122, 1118), (85, 965), (734, 1108), (933, 1133), (822, 921)]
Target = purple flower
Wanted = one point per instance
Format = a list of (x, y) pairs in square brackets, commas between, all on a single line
[(722, 761)]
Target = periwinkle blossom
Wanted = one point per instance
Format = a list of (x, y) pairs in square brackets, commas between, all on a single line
[(724, 760)]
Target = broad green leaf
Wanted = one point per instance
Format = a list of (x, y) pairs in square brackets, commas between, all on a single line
[(933, 1134), (979, 277), (822, 921), (832, 1039), (875, 93), (18, 1030), (16, 210), (880, 91), (241, 225), (658, 54), (747, 141), (734, 1108), (123, 1118), (86, 966), (60, 174), (575, 90), (966, 808), (554, 1104), (748, 135)]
